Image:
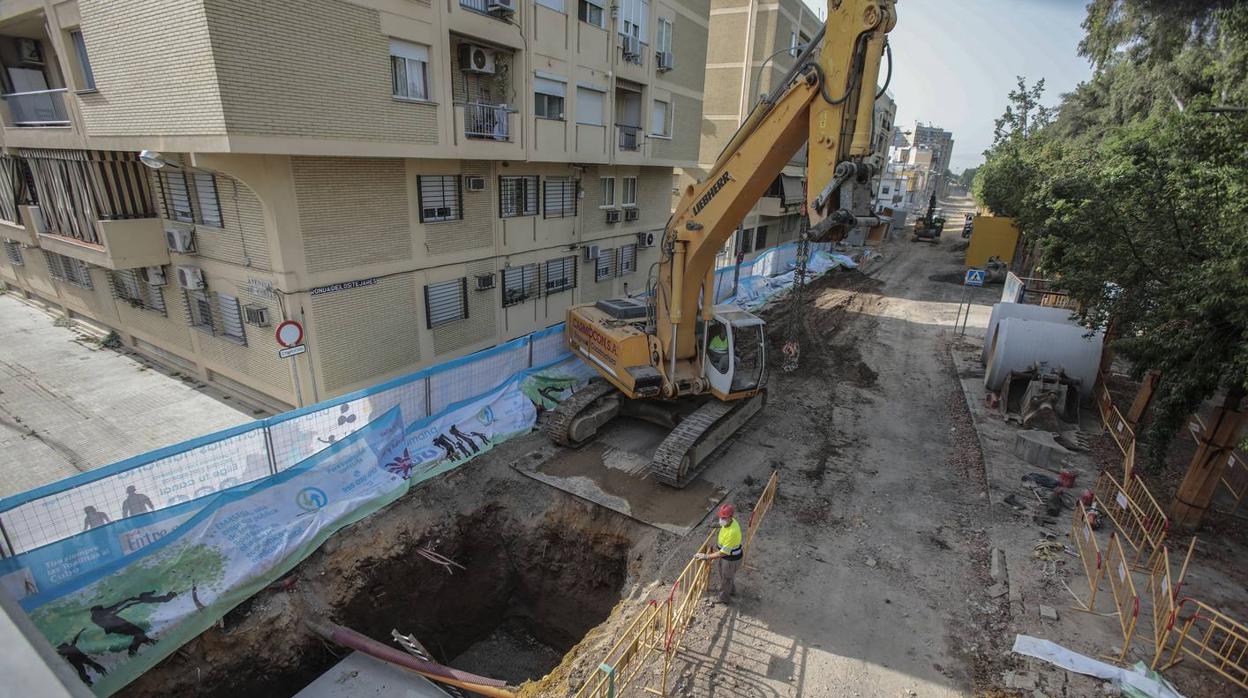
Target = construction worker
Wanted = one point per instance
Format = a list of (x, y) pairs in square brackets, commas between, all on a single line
[(717, 349), (729, 552)]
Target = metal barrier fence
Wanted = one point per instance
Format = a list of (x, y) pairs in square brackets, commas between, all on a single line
[(660, 628), (1135, 513), (1117, 425), (1211, 638), (1089, 553), (1122, 588), (1163, 592)]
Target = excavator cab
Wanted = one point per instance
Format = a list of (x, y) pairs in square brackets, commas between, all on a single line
[(735, 346)]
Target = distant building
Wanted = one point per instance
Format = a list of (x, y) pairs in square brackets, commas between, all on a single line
[(940, 142)]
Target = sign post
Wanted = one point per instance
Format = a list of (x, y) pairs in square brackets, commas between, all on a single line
[(974, 277)]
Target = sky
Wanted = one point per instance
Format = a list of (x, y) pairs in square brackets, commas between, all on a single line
[(956, 60)]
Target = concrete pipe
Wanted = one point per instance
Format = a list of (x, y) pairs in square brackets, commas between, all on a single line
[(1001, 311), (1018, 344)]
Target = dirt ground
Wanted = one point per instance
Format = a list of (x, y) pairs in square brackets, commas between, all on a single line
[(869, 577)]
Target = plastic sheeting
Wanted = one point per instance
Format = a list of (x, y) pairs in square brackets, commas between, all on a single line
[(1133, 681)]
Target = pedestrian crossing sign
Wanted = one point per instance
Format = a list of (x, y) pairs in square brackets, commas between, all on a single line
[(974, 277)]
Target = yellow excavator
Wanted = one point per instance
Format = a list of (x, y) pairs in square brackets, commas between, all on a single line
[(674, 357)]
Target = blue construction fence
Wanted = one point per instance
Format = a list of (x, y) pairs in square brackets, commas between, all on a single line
[(220, 461)]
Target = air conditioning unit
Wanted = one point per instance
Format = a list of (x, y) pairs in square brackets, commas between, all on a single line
[(613, 215), (646, 239), (632, 47), (663, 60), (631, 214), (485, 282), (180, 240), (590, 252), (475, 183), (156, 276), (190, 278), (502, 7), (476, 59), (256, 315)]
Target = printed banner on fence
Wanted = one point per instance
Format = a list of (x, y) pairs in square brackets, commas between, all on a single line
[(121, 620)]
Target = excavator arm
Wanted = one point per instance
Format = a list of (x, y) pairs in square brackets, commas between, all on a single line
[(826, 100)]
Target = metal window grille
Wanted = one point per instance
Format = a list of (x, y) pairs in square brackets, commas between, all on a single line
[(630, 192), (560, 274), (604, 266), (133, 287), (628, 259), (231, 318), (446, 302), (439, 198), (72, 271), (519, 284), (177, 196), (199, 311), (517, 196), (13, 251), (207, 199), (560, 197)]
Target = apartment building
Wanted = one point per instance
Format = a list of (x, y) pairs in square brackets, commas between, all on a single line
[(940, 142), (410, 180)]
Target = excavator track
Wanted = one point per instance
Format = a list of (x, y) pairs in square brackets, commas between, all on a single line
[(685, 452), (560, 422)]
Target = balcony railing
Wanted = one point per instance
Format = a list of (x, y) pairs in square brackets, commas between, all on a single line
[(488, 121), (498, 9), (630, 137), (38, 109)]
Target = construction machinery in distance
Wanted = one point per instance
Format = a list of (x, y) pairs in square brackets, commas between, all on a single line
[(675, 358), (929, 227)]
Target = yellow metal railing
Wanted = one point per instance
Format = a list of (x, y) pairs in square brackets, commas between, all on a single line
[(1210, 637), (1135, 513)]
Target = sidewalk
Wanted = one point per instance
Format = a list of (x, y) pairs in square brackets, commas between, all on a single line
[(67, 406)]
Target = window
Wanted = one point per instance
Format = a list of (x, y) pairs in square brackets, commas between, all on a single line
[(793, 50), (199, 311), (446, 302), (634, 18), (72, 271), (661, 119), (548, 98), (231, 318), (628, 259), (134, 287), (630, 191), (556, 5), (589, 106), (409, 70), (604, 266), (84, 63), (608, 192), (517, 196), (884, 190), (206, 197), (519, 284), (663, 36), (13, 251), (760, 237), (590, 12), (439, 198), (745, 239), (560, 197), (177, 195), (560, 275), (190, 196)]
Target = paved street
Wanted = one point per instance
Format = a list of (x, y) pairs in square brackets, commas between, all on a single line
[(67, 406)]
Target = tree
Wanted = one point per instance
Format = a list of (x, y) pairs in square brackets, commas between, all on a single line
[(967, 178)]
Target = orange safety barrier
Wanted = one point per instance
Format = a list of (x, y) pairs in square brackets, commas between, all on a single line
[(1117, 425), (1163, 592), (1089, 553), (660, 628), (1122, 587), (1135, 513), (1210, 637)]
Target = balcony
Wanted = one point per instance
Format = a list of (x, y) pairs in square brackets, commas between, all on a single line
[(490, 122), (25, 229), (126, 243), (37, 109), (630, 138), (499, 9)]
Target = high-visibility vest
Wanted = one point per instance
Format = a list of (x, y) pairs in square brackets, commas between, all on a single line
[(730, 539), (719, 344)]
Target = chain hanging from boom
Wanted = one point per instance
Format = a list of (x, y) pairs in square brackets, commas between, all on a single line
[(792, 344)]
